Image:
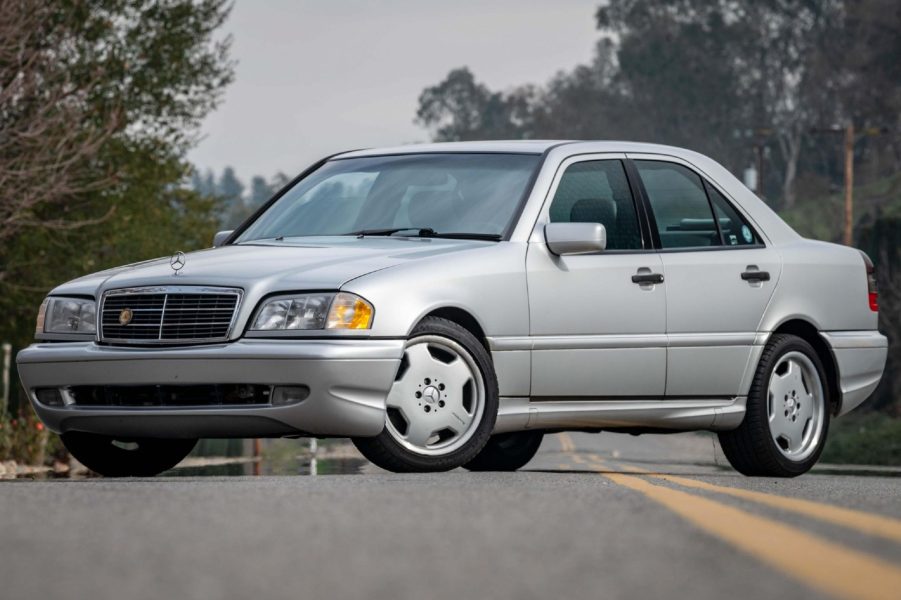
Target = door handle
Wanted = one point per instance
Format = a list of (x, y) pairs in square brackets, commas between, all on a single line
[(755, 276), (646, 278)]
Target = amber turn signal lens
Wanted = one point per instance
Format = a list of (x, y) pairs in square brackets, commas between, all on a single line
[(349, 311)]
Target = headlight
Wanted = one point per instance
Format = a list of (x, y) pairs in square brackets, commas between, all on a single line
[(67, 315), (314, 311)]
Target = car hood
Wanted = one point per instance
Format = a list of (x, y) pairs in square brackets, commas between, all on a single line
[(265, 267)]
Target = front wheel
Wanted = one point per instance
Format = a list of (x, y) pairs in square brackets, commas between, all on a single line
[(442, 406), (144, 457), (507, 451), (787, 415)]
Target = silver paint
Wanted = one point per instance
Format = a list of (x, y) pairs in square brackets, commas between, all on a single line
[(574, 342)]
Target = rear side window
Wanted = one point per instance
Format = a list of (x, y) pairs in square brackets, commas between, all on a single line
[(598, 192), (735, 229), (680, 205)]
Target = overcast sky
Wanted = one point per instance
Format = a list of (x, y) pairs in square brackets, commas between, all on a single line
[(320, 76)]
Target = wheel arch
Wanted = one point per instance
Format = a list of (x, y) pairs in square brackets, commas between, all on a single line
[(808, 332), (461, 317)]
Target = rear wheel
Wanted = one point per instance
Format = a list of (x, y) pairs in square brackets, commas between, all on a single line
[(144, 457), (787, 417), (507, 451), (442, 406)]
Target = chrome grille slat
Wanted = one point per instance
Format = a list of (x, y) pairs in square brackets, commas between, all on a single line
[(169, 315)]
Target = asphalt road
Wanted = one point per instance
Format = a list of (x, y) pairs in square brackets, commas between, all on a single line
[(593, 516)]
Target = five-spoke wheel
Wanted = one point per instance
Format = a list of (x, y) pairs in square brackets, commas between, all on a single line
[(438, 396), (442, 406), (787, 413), (795, 408)]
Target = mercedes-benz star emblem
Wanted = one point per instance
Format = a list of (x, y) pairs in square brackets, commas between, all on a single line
[(431, 394), (177, 262), (126, 316)]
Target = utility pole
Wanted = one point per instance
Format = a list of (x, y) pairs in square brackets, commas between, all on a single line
[(849, 184), (848, 217)]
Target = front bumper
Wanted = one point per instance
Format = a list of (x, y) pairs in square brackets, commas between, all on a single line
[(860, 357), (348, 382)]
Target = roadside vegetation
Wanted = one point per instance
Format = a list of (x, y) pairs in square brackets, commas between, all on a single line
[(99, 103)]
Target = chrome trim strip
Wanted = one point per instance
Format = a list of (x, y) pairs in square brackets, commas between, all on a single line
[(679, 415), (693, 340), (590, 342), (170, 289)]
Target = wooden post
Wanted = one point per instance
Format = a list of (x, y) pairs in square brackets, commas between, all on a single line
[(257, 460), (7, 350), (849, 184)]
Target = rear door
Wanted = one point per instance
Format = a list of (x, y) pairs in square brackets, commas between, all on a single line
[(720, 276), (596, 334)]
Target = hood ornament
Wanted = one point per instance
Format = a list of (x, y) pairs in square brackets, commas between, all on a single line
[(177, 262)]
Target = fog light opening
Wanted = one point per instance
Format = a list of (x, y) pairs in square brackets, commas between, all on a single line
[(49, 396), (283, 395)]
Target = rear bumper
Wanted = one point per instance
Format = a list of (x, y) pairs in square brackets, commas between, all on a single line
[(348, 382), (860, 357)]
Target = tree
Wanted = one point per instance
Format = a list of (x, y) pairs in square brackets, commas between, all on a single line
[(882, 242), (705, 74), (231, 192), (78, 79), (460, 108), (99, 102), (260, 192)]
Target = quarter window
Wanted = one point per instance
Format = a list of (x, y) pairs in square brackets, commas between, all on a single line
[(680, 205), (735, 229), (598, 192)]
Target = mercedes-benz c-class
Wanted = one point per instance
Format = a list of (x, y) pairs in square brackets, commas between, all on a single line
[(446, 305)]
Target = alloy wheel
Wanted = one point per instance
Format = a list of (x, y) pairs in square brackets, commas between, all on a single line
[(795, 406), (437, 399)]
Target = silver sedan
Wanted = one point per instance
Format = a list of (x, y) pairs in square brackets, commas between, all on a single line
[(445, 305)]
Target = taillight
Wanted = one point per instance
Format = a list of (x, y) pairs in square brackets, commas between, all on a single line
[(872, 289)]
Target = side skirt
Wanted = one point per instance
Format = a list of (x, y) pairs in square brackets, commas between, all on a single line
[(720, 414)]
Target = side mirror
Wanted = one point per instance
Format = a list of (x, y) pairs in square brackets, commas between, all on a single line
[(219, 238), (575, 238)]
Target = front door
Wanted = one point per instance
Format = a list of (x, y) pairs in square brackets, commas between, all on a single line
[(596, 333), (719, 279)]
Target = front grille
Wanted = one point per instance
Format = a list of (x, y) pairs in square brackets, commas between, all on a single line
[(170, 395), (174, 315)]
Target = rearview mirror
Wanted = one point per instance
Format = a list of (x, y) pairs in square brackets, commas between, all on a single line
[(219, 238), (575, 238)]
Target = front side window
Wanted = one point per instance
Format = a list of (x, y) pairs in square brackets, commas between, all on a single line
[(680, 205), (598, 191), (448, 193)]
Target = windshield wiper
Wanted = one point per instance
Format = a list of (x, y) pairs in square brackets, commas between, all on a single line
[(428, 232), (421, 231)]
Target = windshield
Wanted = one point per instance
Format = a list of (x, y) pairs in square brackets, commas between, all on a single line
[(418, 194)]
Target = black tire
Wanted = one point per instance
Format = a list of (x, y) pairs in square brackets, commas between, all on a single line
[(138, 458), (750, 448), (384, 451), (507, 451)]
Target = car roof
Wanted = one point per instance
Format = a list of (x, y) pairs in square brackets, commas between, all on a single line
[(773, 226), (515, 146)]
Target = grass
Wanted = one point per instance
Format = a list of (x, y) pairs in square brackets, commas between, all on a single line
[(865, 439)]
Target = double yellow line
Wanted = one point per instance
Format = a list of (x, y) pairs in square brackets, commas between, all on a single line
[(808, 558)]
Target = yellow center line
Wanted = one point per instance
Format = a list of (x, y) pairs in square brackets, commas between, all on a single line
[(810, 559), (566, 442), (877, 525)]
